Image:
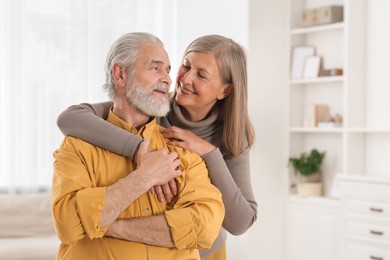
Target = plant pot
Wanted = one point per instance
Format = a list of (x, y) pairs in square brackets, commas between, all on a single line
[(313, 178), (309, 189)]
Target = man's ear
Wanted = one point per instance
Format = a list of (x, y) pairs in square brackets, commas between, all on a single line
[(119, 74), (225, 92)]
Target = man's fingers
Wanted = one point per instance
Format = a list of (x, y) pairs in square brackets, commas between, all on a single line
[(173, 186), (177, 173), (173, 156), (176, 163), (159, 193), (167, 192)]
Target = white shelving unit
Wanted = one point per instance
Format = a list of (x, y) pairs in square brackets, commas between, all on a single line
[(360, 147), (329, 42), (361, 95), (314, 223)]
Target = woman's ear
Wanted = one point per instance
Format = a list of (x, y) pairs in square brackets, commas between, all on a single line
[(119, 74), (225, 92)]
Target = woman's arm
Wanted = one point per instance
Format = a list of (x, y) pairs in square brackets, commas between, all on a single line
[(87, 122), (232, 177), (193, 220)]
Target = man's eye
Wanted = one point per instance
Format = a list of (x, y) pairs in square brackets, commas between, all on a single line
[(186, 67)]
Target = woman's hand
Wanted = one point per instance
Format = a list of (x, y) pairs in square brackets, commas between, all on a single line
[(188, 140), (165, 191)]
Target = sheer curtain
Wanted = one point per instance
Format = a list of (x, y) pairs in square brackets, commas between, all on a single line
[(52, 56)]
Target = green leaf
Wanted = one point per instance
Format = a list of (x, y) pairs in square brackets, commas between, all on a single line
[(308, 165)]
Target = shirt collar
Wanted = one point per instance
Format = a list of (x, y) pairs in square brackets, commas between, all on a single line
[(145, 131)]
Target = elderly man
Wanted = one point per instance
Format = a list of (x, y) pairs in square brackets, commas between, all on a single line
[(101, 203)]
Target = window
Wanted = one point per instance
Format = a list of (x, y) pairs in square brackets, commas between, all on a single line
[(52, 56)]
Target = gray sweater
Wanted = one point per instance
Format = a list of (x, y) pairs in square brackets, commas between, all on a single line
[(230, 175)]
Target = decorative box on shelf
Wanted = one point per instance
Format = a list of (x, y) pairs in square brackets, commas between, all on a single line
[(321, 15)]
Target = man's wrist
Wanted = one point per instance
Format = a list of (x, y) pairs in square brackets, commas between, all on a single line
[(114, 230), (136, 157), (141, 179)]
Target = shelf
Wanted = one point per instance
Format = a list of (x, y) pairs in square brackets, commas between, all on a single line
[(366, 178), (313, 130), (325, 201), (365, 130), (354, 130), (319, 80), (319, 28), (337, 130)]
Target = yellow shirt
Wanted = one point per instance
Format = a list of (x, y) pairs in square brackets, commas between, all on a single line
[(83, 171)]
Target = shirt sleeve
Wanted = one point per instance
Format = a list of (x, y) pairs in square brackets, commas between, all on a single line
[(87, 122), (76, 201), (197, 215), (232, 177)]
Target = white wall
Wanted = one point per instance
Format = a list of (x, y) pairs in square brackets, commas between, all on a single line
[(269, 107), (191, 19)]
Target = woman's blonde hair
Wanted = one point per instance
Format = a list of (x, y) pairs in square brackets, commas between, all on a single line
[(238, 133)]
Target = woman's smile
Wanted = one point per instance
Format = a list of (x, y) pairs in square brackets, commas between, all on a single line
[(185, 91)]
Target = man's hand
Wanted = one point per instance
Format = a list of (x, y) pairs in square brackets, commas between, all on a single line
[(155, 168), (165, 191), (159, 167)]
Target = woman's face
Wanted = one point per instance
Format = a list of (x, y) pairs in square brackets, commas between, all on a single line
[(199, 85)]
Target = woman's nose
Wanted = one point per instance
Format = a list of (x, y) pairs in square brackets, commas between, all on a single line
[(187, 77)]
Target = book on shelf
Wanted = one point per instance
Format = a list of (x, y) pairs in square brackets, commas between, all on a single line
[(319, 116), (318, 113), (321, 113)]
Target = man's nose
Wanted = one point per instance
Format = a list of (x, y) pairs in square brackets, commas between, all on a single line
[(166, 79)]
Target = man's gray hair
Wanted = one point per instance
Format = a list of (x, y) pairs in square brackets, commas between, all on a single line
[(125, 51)]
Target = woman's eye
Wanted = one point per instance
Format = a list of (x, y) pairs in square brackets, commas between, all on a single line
[(201, 76), (186, 67)]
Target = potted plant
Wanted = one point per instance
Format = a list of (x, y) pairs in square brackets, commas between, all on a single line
[(307, 169)]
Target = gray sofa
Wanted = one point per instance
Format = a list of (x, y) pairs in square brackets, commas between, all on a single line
[(26, 227)]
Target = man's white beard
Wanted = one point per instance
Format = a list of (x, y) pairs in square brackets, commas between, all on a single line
[(143, 99)]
